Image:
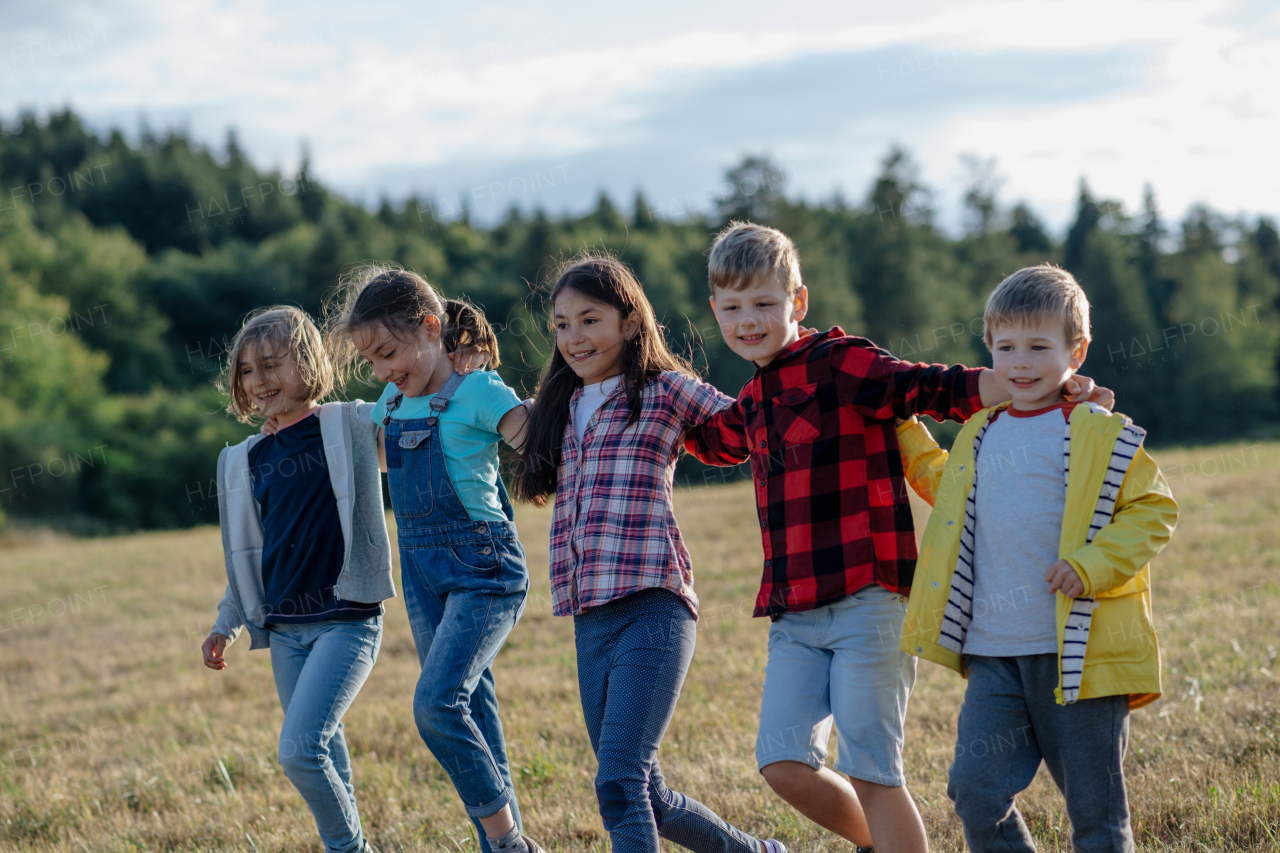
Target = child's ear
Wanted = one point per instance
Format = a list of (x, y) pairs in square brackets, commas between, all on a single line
[(801, 303), (431, 326), (1078, 355), (631, 325)]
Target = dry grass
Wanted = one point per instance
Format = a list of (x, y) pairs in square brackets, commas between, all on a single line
[(113, 737)]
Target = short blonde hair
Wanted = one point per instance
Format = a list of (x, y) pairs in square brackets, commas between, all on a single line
[(744, 251), (282, 326), (1035, 293)]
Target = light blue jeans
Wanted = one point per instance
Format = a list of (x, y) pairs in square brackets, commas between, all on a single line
[(319, 669)]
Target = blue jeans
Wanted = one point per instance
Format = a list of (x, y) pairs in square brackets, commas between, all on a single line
[(460, 616), (319, 668), (632, 658), (1009, 722)]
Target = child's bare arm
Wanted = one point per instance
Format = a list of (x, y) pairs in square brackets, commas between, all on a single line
[(1079, 389), (513, 425)]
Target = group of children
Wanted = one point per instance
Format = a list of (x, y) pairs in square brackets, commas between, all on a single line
[(1035, 587)]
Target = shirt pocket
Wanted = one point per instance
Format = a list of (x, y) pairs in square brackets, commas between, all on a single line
[(797, 415)]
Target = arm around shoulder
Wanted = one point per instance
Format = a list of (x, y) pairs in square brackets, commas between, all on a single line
[(721, 439), (1145, 517)]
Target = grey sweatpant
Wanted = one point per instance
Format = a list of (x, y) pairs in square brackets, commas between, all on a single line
[(1009, 722)]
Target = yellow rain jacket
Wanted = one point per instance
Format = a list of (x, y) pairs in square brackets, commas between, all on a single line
[(1119, 514)]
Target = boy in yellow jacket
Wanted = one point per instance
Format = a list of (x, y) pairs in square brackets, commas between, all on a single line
[(1033, 579)]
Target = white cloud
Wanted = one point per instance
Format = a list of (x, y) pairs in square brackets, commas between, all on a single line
[(377, 89)]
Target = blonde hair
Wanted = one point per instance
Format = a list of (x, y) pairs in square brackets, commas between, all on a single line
[(744, 251), (282, 326), (1031, 294), (400, 300)]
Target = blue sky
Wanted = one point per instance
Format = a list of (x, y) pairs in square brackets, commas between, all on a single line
[(503, 102)]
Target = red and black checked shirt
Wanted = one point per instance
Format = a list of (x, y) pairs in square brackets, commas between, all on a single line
[(613, 530), (817, 424)]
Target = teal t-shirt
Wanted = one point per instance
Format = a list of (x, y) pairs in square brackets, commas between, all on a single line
[(468, 434)]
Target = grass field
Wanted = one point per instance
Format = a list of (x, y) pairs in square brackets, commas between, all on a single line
[(114, 737)]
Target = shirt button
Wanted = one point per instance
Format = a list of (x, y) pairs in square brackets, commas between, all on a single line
[(762, 484), (762, 444), (768, 563), (764, 523), (935, 584), (949, 523), (961, 467)]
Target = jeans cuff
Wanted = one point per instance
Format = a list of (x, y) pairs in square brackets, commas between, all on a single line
[(492, 807)]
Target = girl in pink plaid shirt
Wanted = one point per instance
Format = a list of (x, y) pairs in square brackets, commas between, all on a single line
[(604, 434)]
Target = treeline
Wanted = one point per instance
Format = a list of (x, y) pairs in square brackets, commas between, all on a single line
[(125, 268)]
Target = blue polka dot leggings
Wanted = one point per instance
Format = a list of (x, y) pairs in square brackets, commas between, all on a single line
[(632, 658)]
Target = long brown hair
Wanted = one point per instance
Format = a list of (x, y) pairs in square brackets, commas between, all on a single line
[(602, 278), (400, 300)]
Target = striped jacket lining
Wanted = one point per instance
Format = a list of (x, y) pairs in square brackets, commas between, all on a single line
[(959, 610)]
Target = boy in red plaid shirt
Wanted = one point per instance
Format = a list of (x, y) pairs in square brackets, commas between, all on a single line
[(817, 423)]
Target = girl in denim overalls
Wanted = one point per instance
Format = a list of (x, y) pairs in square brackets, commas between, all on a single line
[(461, 566)]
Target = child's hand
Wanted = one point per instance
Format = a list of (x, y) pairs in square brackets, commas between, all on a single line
[(1061, 576), (1082, 389), (805, 331), (213, 648), (467, 359), (270, 426)]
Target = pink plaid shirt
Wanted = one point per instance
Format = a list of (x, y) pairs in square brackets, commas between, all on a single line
[(613, 531)]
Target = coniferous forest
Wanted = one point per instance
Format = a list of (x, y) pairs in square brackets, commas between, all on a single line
[(125, 268)]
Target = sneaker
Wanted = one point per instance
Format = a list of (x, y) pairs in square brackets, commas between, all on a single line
[(773, 845), (532, 845), (865, 849)]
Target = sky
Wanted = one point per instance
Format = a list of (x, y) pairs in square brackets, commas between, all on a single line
[(548, 104)]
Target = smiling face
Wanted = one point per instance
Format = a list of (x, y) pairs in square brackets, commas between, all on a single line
[(1033, 362), (761, 320), (412, 364), (591, 335), (269, 377)]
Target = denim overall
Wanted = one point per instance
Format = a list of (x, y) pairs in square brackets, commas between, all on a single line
[(465, 584)]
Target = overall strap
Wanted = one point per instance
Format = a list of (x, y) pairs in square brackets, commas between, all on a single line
[(392, 405), (440, 401)]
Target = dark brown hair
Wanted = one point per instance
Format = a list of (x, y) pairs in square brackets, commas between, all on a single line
[(605, 279), (400, 300)]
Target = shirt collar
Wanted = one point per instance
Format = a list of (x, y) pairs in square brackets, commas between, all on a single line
[(801, 346), (617, 386)]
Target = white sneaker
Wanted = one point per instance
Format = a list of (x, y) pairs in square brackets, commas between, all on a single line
[(773, 845)]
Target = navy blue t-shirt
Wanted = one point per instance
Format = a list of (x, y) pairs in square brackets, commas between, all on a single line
[(302, 544)]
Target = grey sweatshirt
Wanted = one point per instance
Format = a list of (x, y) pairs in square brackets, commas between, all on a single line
[(351, 451)]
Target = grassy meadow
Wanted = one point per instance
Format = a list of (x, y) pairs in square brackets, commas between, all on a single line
[(114, 737)]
